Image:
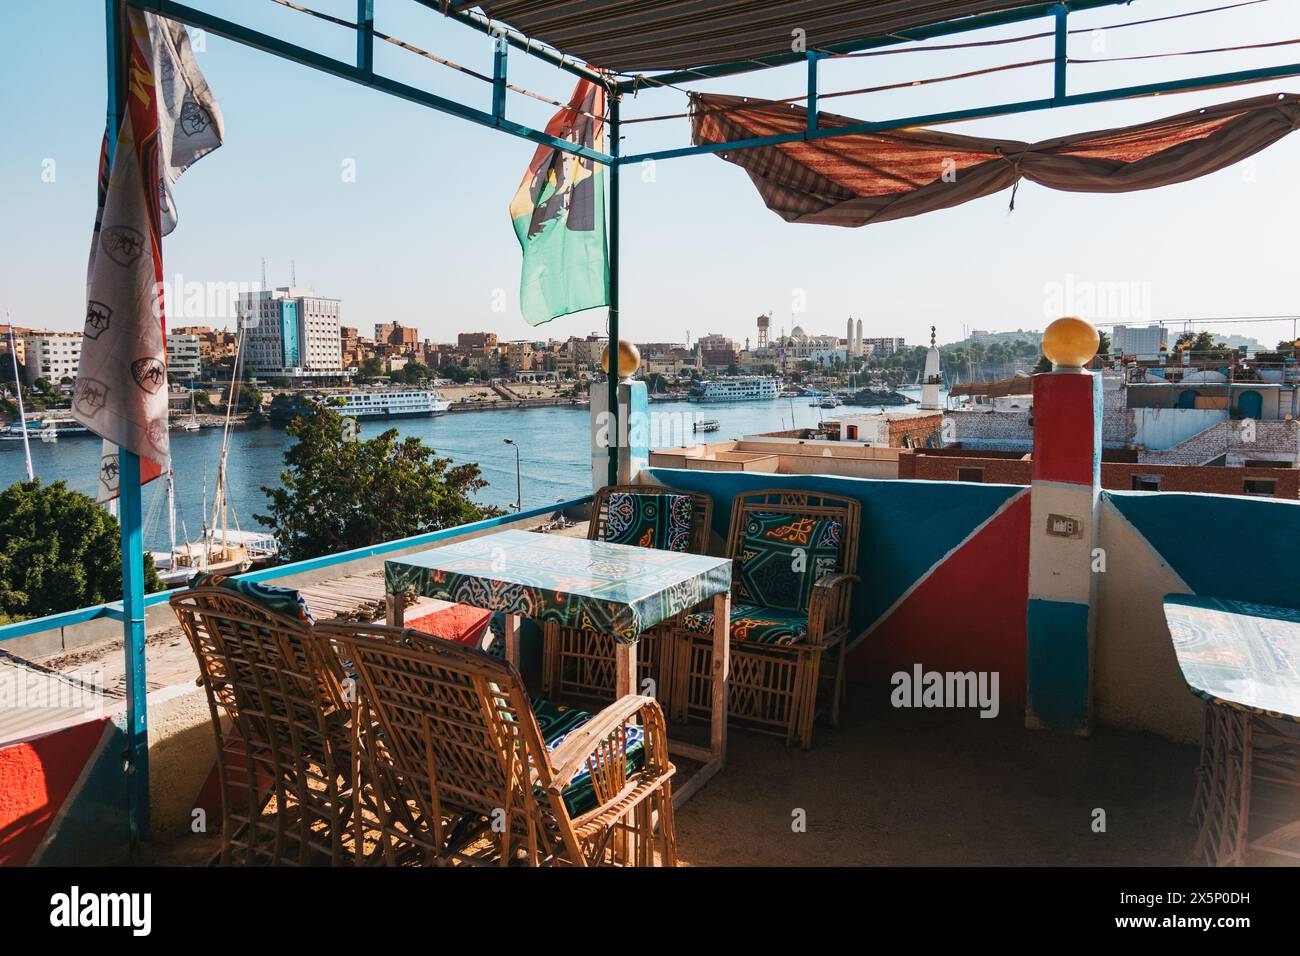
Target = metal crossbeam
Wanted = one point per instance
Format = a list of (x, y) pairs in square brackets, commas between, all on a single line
[(1235, 78), (221, 27)]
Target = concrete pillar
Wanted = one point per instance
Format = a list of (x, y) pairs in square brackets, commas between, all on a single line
[(632, 437), (1061, 614)]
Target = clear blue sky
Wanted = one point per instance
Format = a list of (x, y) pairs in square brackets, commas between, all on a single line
[(422, 236)]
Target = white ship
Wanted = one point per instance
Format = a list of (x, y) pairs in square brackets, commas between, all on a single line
[(386, 402), (44, 428), (742, 388)]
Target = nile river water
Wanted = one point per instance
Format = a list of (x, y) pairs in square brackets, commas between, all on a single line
[(554, 444)]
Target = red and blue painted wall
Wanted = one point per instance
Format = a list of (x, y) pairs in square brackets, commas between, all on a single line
[(943, 569), (63, 797)]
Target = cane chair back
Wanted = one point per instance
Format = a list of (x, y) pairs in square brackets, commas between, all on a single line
[(467, 752), (701, 512), (795, 555), (579, 664), (795, 508), (284, 753)]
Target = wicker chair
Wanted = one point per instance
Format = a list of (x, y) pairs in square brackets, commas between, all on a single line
[(580, 664), (777, 649), (285, 754), (470, 759)]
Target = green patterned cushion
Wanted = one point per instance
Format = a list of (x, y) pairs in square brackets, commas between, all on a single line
[(284, 601), (649, 521), (782, 556), (754, 624), (556, 723)]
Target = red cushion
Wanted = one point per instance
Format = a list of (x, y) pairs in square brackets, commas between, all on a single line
[(456, 622)]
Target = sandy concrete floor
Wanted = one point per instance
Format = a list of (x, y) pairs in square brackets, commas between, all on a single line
[(899, 788), (913, 787)]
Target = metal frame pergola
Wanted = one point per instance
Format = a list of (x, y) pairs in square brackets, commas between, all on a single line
[(362, 71)]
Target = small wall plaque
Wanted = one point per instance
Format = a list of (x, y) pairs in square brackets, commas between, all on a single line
[(1064, 526)]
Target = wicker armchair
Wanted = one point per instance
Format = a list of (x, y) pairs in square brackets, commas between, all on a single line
[(285, 754), (794, 556), (580, 664), (471, 760)]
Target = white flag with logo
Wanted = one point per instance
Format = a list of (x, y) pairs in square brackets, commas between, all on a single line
[(170, 120)]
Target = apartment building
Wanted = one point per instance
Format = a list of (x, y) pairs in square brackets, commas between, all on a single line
[(291, 331)]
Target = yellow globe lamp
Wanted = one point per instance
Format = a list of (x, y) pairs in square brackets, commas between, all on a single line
[(1070, 343), (629, 359)]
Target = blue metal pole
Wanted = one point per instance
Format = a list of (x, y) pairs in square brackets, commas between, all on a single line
[(366, 37), (812, 90), (130, 512), (614, 150), (499, 54), (1062, 14)]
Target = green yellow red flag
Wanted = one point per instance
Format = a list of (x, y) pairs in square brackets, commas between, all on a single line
[(559, 216)]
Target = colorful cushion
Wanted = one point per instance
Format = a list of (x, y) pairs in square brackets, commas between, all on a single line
[(755, 624), (782, 556), (649, 521), (557, 722), (285, 601)]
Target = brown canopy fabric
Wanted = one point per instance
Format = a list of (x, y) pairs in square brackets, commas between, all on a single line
[(636, 35), (875, 177)]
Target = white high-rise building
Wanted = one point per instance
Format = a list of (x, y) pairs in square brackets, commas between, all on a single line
[(51, 355), (291, 331), (184, 356), (1142, 342)]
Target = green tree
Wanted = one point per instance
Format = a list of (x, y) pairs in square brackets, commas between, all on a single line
[(457, 373), (339, 492), (371, 368), (59, 551), (414, 372)]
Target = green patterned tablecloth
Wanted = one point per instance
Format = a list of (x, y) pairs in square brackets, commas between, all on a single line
[(615, 589), (1237, 653)]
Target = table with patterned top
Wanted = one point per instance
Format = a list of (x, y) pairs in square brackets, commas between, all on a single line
[(1243, 660), (614, 589)]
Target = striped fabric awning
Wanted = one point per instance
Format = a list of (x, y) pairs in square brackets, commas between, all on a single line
[(636, 35), (872, 177)]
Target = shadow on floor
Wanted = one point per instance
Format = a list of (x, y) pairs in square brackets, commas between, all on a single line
[(941, 787)]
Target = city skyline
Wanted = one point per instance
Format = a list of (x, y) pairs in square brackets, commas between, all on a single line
[(403, 232)]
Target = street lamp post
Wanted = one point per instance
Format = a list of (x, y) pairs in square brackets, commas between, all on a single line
[(519, 484)]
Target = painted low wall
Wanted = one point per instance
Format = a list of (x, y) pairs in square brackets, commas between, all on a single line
[(1158, 429), (943, 567), (1170, 543)]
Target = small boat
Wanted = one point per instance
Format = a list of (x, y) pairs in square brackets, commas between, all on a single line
[(192, 423), (708, 425), (831, 402)]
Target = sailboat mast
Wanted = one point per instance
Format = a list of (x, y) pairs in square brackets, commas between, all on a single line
[(18, 386), (219, 496), (171, 512)]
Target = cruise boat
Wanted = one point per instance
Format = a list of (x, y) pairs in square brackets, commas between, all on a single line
[(386, 402), (44, 428), (743, 388)]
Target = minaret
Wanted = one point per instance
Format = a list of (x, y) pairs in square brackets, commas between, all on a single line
[(932, 381), (850, 346), (858, 349)]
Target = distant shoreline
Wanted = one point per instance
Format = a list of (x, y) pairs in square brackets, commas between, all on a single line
[(518, 404)]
